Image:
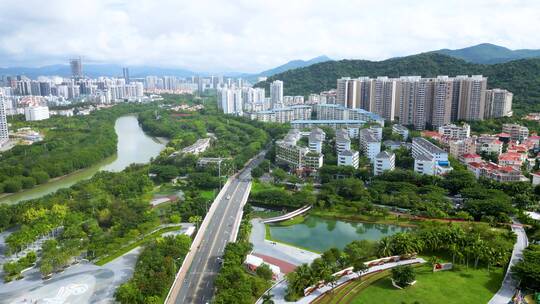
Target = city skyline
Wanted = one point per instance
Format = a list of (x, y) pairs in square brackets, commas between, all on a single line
[(253, 36)]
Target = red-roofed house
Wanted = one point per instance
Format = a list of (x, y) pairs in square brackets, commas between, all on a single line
[(512, 159), (470, 158)]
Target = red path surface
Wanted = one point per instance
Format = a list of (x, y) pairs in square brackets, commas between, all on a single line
[(284, 266)]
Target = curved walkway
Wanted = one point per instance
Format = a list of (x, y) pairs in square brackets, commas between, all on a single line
[(509, 284), (287, 253), (287, 216), (279, 290)]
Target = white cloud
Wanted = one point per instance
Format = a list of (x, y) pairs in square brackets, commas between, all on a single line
[(251, 35)]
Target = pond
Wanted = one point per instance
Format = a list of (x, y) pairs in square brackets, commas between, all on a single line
[(320, 234)]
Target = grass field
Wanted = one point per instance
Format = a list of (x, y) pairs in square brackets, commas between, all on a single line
[(208, 194), (460, 286)]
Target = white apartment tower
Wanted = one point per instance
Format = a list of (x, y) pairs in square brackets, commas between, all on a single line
[(4, 132), (498, 103), (230, 101), (276, 92)]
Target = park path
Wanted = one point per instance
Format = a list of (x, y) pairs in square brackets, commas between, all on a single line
[(279, 290), (509, 284)]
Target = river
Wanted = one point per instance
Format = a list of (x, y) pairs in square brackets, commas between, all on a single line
[(134, 146)]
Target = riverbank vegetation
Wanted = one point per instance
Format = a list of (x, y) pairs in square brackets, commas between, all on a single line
[(70, 144)]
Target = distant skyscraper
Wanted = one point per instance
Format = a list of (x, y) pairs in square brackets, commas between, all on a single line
[(4, 134), (125, 72), (76, 68), (276, 92)]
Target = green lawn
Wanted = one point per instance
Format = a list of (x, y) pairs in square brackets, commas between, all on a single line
[(257, 186), (207, 194), (125, 249), (461, 286)]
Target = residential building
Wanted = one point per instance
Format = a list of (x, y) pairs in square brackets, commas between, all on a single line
[(288, 152), (343, 142), (452, 131), (34, 113), (384, 161), (488, 144), (498, 103), (428, 158), (383, 98), (470, 158), (517, 132), (316, 139), (394, 145), (495, 172), (423, 146), (369, 144), (349, 158), (230, 101), (401, 130), (339, 112), (512, 159), (463, 146), (4, 132), (442, 101), (276, 92), (472, 97), (335, 124)]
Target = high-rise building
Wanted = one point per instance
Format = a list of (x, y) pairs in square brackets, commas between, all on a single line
[(442, 101), (498, 103), (276, 92), (4, 132), (230, 101), (472, 99), (383, 97), (76, 68), (125, 73)]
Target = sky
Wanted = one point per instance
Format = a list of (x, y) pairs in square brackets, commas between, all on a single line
[(253, 35)]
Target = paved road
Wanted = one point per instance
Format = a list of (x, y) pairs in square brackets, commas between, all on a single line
[(198, 285), (509, 284)]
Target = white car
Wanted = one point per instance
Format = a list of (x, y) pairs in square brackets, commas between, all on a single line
[(228, 197)]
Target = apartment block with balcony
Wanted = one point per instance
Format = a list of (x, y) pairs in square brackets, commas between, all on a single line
[(349, 158), (384, 161)]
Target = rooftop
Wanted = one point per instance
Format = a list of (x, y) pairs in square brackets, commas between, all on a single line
[(385, 155)]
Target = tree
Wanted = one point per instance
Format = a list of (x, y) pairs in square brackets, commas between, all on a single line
[(403, 275), (267, 298), (264, 272), (196, 219), (528, 269), (129, 293)]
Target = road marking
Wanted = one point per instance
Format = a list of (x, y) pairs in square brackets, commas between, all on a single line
[(213, 243)]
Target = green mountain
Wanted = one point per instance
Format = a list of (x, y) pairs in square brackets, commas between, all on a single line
[(489, 53), (522, 77)]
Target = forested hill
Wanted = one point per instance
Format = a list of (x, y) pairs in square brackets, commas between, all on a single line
[(522, 77)]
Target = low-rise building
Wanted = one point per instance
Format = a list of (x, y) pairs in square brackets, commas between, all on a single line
[(394, 144), (423, 146), (462, 146), (369, 144), (512, 159), (452, 131), (343, 142), (34, 113), (349, 158), (401, 130), (535, 178), (384, 161), (198, 147), (315, 139), (470, 158), (517, 132), (495, 172), (488, 144), (297, 157)]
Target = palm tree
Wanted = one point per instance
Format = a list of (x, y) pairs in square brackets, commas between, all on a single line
[(195, 219), (385, 248)]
